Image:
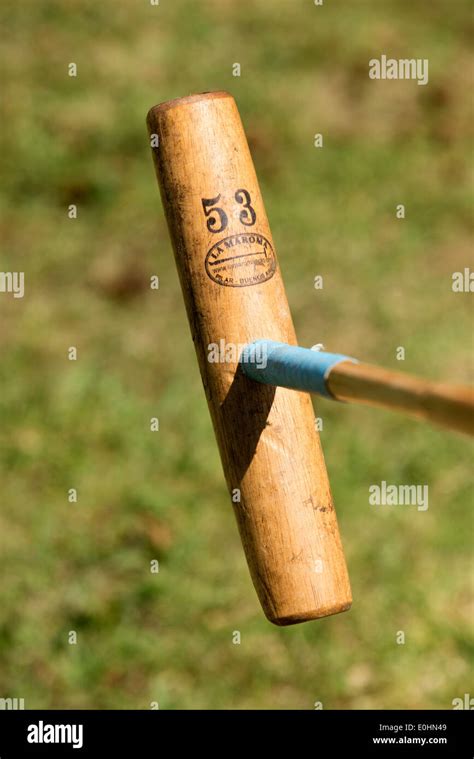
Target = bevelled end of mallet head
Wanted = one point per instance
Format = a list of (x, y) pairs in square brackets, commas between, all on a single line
[(311, 614), (323, 589)]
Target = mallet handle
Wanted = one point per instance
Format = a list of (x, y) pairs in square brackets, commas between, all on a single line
[(345, 379)]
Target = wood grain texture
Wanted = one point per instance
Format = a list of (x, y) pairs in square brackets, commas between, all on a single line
[(269, 447), (448, 405)]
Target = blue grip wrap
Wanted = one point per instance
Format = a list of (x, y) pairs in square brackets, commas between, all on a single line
[(289, 366)]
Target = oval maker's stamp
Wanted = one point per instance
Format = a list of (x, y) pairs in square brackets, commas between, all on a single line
[(241, 260)]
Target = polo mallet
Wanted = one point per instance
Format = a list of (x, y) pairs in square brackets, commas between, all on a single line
[(234, 295)]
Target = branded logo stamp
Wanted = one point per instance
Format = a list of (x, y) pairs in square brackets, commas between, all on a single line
[(241, 260)]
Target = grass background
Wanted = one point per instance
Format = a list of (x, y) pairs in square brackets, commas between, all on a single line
[(85, 424)]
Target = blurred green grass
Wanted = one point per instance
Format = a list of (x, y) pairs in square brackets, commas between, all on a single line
[(85, 424)]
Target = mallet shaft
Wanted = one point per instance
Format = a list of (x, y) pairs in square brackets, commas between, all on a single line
[(345, 379), (448, 405)]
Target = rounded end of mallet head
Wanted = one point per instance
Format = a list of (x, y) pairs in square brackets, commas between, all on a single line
[(185, 101)]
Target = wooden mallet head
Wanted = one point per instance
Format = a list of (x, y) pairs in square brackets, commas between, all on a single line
[(234, 294)]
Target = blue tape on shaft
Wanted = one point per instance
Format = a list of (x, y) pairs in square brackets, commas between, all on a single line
[(289, 366)]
